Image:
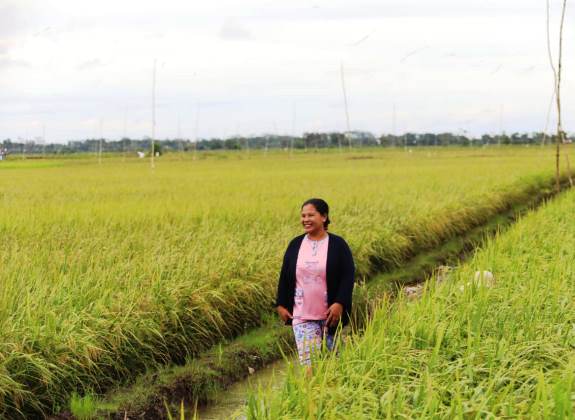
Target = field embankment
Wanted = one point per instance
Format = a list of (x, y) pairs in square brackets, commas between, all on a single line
[(110, 270), (466, 348)]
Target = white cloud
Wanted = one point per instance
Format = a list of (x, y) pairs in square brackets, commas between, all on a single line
[(12, 18), (233, 30), (90, 64), (6, 62)]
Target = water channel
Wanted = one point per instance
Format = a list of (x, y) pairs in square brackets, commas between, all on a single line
[(230, 404)]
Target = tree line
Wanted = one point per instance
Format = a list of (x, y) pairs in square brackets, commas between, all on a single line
[(312, 140)]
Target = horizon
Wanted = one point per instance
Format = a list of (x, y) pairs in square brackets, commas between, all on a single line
[(517, 138)]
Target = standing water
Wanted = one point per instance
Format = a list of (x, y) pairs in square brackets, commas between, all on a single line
[(231, 403)]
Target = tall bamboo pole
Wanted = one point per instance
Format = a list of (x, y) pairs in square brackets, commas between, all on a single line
[(560, 132), (557, 88)]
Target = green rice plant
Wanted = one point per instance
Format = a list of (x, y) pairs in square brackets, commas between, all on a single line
[(181, 412), (109, 270), (467, 348), (83, 408)]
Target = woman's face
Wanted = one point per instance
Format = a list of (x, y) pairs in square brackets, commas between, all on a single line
[(311, 220)]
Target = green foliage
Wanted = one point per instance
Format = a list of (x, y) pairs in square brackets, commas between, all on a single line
[(157, 149)]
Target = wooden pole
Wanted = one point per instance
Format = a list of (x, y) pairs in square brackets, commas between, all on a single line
[(100, 142), (124, 134), (557, 89), (43, 140), (196, 127), (293, 120), (153, 153), (345, 104), (560, 132)]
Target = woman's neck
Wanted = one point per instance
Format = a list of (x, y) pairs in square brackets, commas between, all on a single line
[(317, 236)]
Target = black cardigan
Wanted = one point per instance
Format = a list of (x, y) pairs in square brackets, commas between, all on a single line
[(340, 271)]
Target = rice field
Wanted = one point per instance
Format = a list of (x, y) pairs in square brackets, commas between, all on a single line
[(466, 349), (109, 270)]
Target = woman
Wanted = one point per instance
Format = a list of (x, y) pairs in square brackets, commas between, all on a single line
[(316, 282)]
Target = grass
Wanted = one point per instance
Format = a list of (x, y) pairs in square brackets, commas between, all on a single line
[(109, 270), (462, 351), (83, 408)]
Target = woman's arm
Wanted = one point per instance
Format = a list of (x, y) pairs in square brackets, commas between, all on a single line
[(345, 291), (283, 291), (282, 295)]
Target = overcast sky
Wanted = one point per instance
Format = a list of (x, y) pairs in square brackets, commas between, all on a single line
[(225, 67)]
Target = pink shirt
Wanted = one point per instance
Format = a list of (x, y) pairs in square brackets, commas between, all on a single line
[(310, 300)]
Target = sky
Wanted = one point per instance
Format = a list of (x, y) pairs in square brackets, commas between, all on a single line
[(75, 69)]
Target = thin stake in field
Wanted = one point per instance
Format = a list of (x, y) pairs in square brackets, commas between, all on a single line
[(100, 132), (124, 138), (26, 139), (43, 140), (394, 124), (196, 127), (348, 134), (549, 108), (153, 152), (180, 140), (501, 130), (557, 89), (293, 121)]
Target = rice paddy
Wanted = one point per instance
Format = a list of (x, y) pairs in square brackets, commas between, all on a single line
[(109, 270), (466, 349)]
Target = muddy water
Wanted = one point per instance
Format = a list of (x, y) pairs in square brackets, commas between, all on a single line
[(230, 404)]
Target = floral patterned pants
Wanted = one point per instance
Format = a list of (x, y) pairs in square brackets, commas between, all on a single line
[(309, 336)]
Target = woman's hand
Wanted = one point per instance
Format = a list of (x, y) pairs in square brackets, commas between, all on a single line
[(334, 314), (284, 313)]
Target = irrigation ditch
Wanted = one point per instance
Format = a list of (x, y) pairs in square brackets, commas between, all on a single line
[(200, 380)]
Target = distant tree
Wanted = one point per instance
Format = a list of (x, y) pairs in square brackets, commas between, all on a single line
[(157, 148)]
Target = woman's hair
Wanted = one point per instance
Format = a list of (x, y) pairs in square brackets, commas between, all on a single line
[(321, 207)]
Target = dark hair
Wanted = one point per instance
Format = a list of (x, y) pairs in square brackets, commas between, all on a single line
[(322, 208)]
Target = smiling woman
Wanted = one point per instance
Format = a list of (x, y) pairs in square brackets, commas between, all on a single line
[(316, 282)]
